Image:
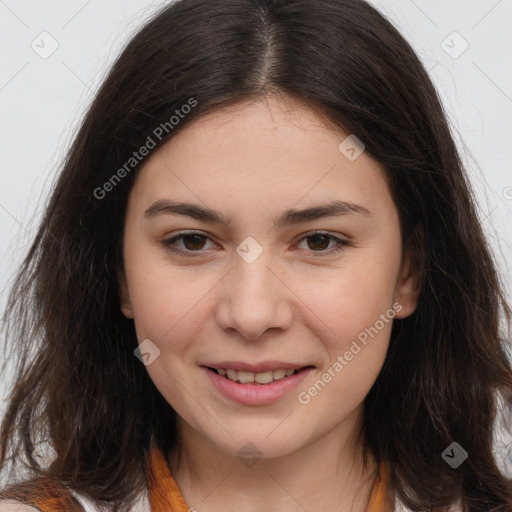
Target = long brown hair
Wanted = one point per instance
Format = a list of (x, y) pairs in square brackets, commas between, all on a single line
[(78, 382)]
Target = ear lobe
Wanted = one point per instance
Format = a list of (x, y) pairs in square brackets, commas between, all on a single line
[(126, 305), (409, 283)]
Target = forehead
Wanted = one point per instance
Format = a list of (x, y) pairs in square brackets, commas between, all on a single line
[(261, 154)]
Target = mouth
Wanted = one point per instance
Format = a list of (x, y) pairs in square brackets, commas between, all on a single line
[(260, 383), (257, 378)]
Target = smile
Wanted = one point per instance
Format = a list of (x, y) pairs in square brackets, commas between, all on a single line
[(255, 387), (256, 378)]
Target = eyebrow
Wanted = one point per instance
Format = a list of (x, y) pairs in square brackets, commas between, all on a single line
[(288, 217)]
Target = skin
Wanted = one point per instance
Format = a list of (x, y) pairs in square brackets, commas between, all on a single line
[(250, 162)]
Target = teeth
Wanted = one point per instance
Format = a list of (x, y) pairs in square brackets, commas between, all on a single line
[(280, 374), (245, 377), (264, 377), (259, 378)]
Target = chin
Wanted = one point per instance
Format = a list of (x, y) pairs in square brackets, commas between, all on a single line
[(260, 446)]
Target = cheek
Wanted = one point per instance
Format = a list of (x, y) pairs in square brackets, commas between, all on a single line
[(356, 320), (351, 299), (353, 317), (166, 309), (164, 299)]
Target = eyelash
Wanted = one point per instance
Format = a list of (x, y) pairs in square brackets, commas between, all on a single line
[(168, 244)]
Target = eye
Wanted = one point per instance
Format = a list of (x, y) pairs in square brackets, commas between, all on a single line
[(320, 241), (194, 242)]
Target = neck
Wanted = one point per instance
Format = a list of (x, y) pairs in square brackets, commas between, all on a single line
[(327, 475)]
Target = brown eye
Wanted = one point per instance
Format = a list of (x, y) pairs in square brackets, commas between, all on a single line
[(194, 242), (319, 241), (189, 244)]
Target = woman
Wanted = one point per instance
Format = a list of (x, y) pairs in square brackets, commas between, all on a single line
[(260, 282)]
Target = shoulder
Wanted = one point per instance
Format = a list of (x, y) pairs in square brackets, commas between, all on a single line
[(140, 505), (400, 507), (15, 506)]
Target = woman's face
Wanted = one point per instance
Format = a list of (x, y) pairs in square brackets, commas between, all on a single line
[(252, 291)]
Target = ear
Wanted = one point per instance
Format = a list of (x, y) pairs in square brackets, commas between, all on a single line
[(408, 285), (126, 305)]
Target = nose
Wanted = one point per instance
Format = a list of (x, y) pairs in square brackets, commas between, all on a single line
[(254, 300)]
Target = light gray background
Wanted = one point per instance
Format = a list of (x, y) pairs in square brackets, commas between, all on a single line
[(42, 99)]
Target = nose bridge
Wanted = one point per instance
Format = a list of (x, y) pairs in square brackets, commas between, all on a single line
[(254, 299), (254, 280)]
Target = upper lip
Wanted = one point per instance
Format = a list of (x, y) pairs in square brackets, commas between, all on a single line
[(263, 366)]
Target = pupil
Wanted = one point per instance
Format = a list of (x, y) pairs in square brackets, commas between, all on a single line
[(316, 237), (188, 237)]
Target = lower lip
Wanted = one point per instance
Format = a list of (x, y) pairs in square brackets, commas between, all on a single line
[(256, 394)]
